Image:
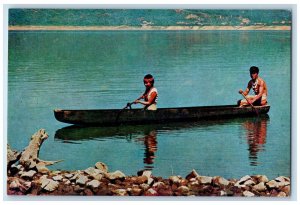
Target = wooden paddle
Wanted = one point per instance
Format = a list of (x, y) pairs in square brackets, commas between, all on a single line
[(128, 105), (250, 104)]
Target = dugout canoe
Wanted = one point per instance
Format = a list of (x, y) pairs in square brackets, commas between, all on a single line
[(78, 133), (112, 117)]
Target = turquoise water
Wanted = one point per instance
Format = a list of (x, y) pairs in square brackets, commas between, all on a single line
[(90, 70)]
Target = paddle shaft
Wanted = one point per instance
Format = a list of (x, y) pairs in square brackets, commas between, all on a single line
[(250, 103)]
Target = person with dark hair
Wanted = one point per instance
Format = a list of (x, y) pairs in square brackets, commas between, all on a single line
[(259, 87), (150, 95)]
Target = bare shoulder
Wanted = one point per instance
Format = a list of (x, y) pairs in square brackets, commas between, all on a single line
[(260, 80)]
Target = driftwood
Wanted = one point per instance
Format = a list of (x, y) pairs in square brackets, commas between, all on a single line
[(12, 157), (30, 156)]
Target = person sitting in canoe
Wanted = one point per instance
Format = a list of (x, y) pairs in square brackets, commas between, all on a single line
[(259, 87), (150, 95)]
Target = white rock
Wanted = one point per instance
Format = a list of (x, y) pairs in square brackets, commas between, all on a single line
[(249, 182), (57, 178), (220, 181), (81, 180), (260, 187), (184, 190), (14, 184), (66, 181), (248, 194), (98, 176), (28, 174), (147, 173), (144, 187), (120, 192), (283, 181), (101, 166), (151, 191), (262, 178), (245, 178), (115, 175), (204, 179), (175, 179), (49, 184), (92, 171), (68, 176), (94, 183), (281, 194), (158, 184)]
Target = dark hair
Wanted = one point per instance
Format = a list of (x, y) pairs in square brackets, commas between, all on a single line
[(254, 69), (149, 76)]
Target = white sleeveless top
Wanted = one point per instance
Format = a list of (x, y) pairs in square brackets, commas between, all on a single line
[(151, 91)]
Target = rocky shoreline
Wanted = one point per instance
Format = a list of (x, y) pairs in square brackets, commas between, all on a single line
[(28, 175)]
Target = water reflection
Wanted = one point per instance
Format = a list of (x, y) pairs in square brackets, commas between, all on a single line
[(256, 133), (150, 143)]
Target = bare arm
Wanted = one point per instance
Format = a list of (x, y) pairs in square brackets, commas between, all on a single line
[(247, 89), (150, 100)]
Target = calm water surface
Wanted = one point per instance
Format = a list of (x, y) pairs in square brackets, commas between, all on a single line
[(89, 70)]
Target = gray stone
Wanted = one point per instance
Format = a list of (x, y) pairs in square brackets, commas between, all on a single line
[(28, 174), (260, 187), (248, 194), (249, 182), (57, 178), (283, 181), (274, 184), (204, 179), (158, 185), (175, 179), (68, 176), (120, 192), (115, 175), (94, 184), (223, 193), (183, 190), (281, 194), (220, 181), (193, 174), (49, 184), (81, 180), (262, 178), (151, 192), (148, 174), (101, 166), (244, 178), (144, 187), (92, 171)]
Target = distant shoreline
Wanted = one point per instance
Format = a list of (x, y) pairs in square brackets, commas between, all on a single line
[(145, 28)]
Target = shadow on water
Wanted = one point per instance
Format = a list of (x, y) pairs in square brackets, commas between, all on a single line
[(255, 133)]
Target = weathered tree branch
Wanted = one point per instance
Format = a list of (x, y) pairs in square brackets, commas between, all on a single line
[(30, 156)]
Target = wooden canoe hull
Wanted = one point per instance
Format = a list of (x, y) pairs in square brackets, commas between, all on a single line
[(75, 132), (111, 117)]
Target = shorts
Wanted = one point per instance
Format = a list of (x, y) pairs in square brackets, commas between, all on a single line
[(258, 101)]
